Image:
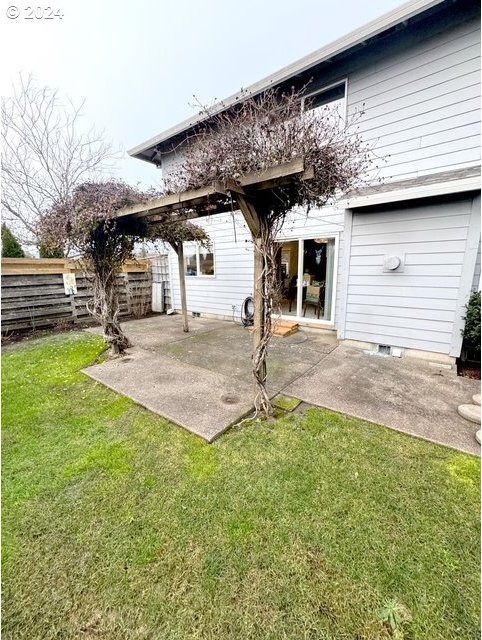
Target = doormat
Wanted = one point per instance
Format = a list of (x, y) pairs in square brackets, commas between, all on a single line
[(285, 328)]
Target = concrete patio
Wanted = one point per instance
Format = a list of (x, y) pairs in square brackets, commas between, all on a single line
[(202, 380)]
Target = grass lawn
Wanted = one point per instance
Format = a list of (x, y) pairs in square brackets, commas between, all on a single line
[(118, 525)]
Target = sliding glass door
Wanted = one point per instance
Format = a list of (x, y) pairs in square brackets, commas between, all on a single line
[(307, 278)]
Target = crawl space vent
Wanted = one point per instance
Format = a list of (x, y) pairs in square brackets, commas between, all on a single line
[(384, 349)]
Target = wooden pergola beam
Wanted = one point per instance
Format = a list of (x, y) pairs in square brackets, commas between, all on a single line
[(170, 203), (216, 196)]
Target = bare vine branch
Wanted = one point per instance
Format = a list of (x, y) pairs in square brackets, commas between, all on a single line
[(252, 136), (46, 154), (86, 221)]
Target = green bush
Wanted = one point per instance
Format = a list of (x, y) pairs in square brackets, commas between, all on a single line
[(471, 332), (11, 247), (45, 252)]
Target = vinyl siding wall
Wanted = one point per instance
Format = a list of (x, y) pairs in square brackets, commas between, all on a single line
[(416, 308), (422, 105), (476, 279)]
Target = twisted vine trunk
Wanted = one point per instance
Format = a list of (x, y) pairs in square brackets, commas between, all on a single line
[(104, 307), (266, 286)]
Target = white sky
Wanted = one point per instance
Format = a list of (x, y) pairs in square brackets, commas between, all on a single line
[(138, 63)]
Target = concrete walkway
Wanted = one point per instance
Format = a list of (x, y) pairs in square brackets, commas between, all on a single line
[(202, 380), (404, 394)]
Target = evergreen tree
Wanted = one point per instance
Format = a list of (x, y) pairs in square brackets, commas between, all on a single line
[(471, 332), (11, 247)]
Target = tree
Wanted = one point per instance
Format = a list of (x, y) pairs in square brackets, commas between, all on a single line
[(11, 247), (255, 135), (86, 221), (45, 155)]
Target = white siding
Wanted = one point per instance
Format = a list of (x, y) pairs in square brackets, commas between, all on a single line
[(233, 279), (170, 161), (234, 262), (476, 279), (422, 105), (422, 116), (415, 308)]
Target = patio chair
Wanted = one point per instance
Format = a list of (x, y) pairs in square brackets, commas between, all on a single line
[(313, 298), (292, 291)]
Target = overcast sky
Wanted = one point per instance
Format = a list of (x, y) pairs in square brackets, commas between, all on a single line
[(138, 63)]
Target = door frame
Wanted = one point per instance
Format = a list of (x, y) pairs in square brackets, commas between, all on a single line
[(299, 305)]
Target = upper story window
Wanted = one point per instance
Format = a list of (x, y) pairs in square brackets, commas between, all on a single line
[(329, 102), (198, 260)]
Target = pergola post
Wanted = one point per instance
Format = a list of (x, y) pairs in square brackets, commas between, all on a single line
[(182, 286), (258, 292), (253, 221), (258, 319)]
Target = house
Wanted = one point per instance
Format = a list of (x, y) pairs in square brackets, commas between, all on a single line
[(394, 264)]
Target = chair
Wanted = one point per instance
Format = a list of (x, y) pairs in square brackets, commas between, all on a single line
[(292, 291), (313, 297)]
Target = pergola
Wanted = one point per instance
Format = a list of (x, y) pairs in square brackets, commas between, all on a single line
[(249, 194)]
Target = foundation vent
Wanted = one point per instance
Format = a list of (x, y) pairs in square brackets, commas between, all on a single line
[(387, 350), (384, 349)]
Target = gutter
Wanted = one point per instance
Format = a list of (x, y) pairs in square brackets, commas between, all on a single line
[(445, 187)]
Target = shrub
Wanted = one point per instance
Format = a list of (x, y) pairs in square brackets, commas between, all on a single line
[(11, 247), (471, 332), (47, 252)]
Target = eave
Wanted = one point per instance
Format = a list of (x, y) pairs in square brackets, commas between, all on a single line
[(399, 17)]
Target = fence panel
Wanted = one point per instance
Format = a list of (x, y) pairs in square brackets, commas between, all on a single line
[(34, 297)]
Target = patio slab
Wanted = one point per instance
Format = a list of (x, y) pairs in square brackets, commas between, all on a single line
[(228, 349), (155, 332), (202, 381), (202, 401), (404, 394)]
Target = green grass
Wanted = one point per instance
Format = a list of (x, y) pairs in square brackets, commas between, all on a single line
[(118, 525)]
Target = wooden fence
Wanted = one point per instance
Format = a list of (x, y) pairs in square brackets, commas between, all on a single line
[(34, 294)]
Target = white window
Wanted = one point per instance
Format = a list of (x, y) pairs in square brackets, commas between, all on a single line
[(198, 259), (329, 102)]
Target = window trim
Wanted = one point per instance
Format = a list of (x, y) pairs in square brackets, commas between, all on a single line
[(198, 262), (327, 87)]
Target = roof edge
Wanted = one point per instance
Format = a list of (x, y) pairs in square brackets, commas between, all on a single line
[(358, 36), (432, 185)]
